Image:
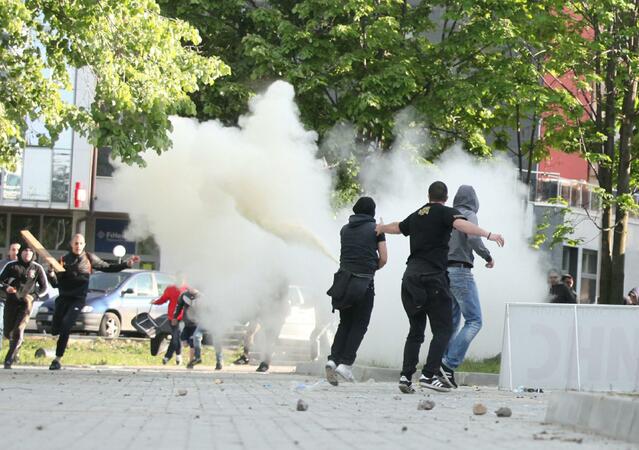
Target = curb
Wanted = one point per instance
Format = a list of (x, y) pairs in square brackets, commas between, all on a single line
[(610, 415), (364, 373)]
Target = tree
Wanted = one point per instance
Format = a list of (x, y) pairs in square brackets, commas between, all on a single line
[(595, 64), (144, 64)]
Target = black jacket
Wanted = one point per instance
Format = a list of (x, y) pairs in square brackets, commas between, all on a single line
[(27, 278), (560, 293), (185, 302), (74, 281)]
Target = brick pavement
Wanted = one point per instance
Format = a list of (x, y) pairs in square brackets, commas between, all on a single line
[(141, 409)]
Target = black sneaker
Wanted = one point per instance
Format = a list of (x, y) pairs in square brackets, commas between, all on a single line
[(263, 367), (7, 364), (218, 365), (435, 383), (55, 365), (448, 375), (241, 361), (405, 385)]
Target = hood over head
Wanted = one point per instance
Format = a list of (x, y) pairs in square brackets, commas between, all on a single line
[(466, 198), (365, 205), (356, 220)]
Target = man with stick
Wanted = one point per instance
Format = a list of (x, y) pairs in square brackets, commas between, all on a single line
[(73, 285)]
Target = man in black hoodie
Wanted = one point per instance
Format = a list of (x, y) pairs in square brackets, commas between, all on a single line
[(73, 285), (22, 280), (362, 253)]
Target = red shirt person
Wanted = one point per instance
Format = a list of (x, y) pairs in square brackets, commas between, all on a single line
[(171, 294)]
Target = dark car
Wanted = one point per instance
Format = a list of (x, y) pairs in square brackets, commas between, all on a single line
[(113, 300)]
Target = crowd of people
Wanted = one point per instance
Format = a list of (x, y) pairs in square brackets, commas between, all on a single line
[(437, 286)]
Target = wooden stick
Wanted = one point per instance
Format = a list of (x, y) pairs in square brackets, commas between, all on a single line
[(41, 251)]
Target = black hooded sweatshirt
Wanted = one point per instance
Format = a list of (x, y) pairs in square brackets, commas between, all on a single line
[(359, 245), (74, 281), (25, 277)]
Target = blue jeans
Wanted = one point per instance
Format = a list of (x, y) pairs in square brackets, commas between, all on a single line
[(464, 290), (197, 345)]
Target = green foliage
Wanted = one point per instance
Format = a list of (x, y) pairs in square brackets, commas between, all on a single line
[(556, 227), (144, 64), (347, 187)]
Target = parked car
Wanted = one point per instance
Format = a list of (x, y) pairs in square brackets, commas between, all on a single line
[(51, 293), (113, 300)]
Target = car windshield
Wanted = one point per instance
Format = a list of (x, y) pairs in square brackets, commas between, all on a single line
[(106, 282)]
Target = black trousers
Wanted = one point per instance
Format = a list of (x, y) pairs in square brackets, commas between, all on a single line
[(353, 323), (175, 346), (426, 298), (66, 313), (16, 318)]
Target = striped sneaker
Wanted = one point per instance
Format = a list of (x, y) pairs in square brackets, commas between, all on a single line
[(405, 385), (435, 383), (448, 375)]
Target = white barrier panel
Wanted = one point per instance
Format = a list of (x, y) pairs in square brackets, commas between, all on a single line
[(582, 347)]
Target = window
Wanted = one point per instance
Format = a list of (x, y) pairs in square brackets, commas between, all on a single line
[(147, 246), (570, 260), (61, 175), (105, 168), (163, 281), (56, 232), (20, 222), (143, 285), (13, 183), (588, 288)]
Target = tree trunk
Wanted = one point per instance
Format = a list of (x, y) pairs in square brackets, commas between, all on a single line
[(605, 182)]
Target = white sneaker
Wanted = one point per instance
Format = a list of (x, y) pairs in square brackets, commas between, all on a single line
[(345, 372), (331, 375), (178, 360), (165, 360)]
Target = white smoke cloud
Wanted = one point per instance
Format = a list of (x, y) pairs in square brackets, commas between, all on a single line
[(237, 209)]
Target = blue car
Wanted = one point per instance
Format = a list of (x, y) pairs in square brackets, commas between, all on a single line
[(113, 300)]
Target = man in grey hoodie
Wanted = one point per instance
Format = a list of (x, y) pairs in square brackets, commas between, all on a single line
[(462, 284)]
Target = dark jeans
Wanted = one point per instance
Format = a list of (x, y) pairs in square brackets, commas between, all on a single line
[(353, 323), (187, 335), (436, 305), (16, 318), (175, 346), (66, 312)]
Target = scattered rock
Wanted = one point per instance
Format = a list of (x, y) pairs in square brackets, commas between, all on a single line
[(425, 405), (181, 392), (504, 411), (302, 405), (218, 381), (197, 417), (404, 428), (479, 409), (40, 428), (397, 397)]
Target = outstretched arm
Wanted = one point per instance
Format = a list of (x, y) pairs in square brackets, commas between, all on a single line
[(390, 228), (470, 228)]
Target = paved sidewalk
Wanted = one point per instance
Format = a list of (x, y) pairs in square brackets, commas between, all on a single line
[(110, 408)]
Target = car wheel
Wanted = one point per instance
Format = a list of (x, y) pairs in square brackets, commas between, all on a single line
[(110, 326)]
